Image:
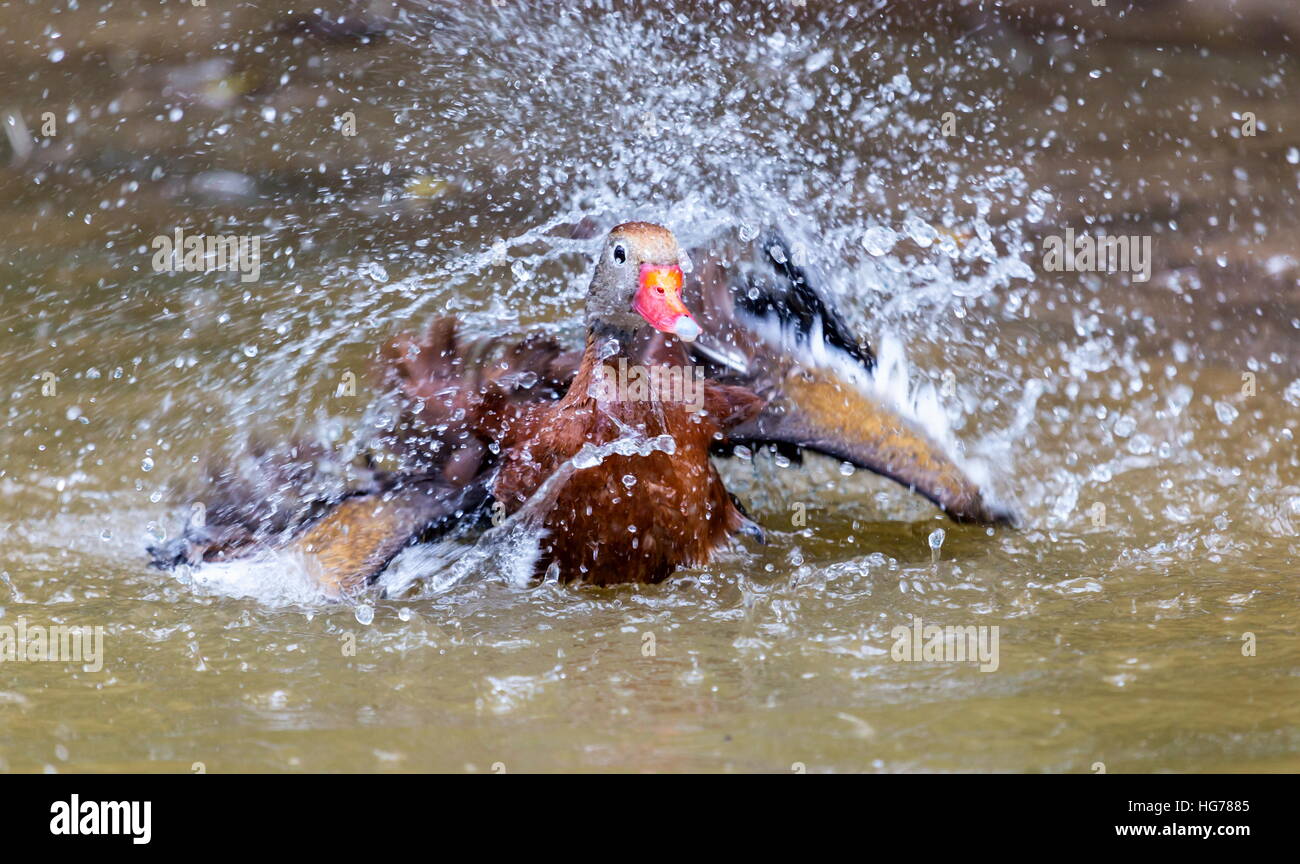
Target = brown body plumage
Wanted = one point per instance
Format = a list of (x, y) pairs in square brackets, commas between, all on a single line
[(630, 518)]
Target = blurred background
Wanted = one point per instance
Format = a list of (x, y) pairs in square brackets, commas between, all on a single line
[(403, 160)]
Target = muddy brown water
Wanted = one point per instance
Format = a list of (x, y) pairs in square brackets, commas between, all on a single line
[(1146, 608)]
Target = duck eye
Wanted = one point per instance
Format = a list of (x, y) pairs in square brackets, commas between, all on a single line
[(620, 254)]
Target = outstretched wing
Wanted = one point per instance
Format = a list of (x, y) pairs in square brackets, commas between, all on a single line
[(349, 546), (278, 501), (261, 498), (290, 499), (767, 328)]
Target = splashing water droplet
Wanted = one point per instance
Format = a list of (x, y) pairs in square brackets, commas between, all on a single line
[(936, 543), (607, 349), (879, 240), (588, 457), (921, 232), (1292, 393), (374, 271), (664, 444), (364, 613)]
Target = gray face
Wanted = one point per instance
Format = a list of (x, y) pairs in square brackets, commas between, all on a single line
[(614, 285)]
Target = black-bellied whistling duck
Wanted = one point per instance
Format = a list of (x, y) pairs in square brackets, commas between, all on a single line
[(637, 515), (611, 449)]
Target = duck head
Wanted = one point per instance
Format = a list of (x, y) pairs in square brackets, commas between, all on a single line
[(638, 283)]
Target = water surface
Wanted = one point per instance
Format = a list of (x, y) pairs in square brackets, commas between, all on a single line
[(1171, 403)]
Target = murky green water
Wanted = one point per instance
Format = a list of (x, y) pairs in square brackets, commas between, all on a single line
[(1145, 430)]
